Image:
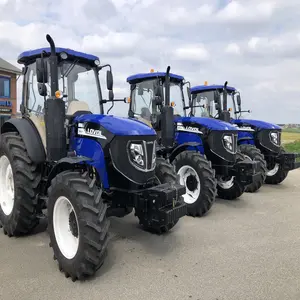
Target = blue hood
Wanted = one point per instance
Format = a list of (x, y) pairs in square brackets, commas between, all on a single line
[(118, 125), (256, 123), (209, 123)]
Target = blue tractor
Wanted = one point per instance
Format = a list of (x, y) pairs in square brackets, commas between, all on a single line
[(82, 166), (258, 140), (215, 142)]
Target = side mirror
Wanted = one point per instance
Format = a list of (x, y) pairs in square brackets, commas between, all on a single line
[(217, 106), (157, 100), (42, 89), (110, 95), (238, 100), (157, 89), (41, 70), (109, 80)]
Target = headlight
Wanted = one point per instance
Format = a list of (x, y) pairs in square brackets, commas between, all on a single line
[(228, 142), (274, 136), (137, 154)]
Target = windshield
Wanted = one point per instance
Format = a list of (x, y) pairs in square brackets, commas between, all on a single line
[(142, 97), (204, 105), (76, 81)]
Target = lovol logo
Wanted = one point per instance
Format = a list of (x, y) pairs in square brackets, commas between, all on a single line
[(91, 132), (181, 127)]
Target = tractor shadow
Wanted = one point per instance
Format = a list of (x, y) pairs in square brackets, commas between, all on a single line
[(239, 203)]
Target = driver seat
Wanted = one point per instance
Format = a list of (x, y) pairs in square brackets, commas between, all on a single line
[(76, 108)]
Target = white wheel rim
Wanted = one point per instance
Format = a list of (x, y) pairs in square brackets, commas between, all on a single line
[(226, 184), (7, 186), (192, 195), (273, 171), (67, 242)]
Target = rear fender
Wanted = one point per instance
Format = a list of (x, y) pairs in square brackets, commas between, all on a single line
[(30, 136)]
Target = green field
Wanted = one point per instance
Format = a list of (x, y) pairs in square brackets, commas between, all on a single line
[(291, 140)]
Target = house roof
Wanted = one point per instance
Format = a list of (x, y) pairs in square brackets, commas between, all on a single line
[(8, 67)]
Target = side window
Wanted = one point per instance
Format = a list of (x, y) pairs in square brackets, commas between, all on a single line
[(176, 98), (4, 87), (142, 100), (35, 101)]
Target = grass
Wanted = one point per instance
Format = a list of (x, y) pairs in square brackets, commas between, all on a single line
[(290, 136)]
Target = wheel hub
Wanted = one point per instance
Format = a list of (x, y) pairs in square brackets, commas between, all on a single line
[(73, 224), (191, 183)]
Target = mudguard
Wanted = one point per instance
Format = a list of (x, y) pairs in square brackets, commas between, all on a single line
[(90, 148), (182, 147), (30, 136), (66, 163)]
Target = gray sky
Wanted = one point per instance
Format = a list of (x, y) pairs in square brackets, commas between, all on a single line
[(254, 45)]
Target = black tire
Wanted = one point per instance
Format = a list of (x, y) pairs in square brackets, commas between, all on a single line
[(208, 183), (279, 176), (255, 155), (236, 190), (164, 173), (26, 177), (90, 210)]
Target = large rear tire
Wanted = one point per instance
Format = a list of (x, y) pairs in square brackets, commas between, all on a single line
[(255, 154), (19, 183), (196, 173), (164, 173), (230, 188), (77, 224), (275, 173)]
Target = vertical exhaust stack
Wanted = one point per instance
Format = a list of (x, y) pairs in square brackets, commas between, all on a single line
[(167, 121), (225, 114), (55, 114)]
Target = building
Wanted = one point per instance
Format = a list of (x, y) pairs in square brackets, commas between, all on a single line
[(9, 75)]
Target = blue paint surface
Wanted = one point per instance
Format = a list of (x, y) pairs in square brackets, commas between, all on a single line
[(187, 137), (205, 88), (92, 149), (27, 55), (118, 125), (255, 123), (153, 75)]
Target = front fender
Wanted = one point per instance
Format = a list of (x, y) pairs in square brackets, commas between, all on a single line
[(182, 147), (92, 149), (66, 163)]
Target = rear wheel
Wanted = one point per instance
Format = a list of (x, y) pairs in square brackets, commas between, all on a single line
[(164, 173), (276, 174), (197, 175), (77, 224), (229, 188), (19, 182), (254, 154)]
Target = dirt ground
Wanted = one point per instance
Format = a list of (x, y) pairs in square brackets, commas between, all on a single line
[(242, 250)]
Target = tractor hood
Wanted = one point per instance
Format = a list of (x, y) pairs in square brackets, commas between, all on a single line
[(117, 125), (209, 123), (255, 124)]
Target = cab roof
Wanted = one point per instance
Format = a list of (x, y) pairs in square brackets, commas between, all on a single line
[(29, 56), (144, 76), (213, 87)]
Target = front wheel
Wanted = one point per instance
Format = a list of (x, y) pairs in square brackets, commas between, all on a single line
[(77, 224), (229, 188), (197, 175), (276, 174)]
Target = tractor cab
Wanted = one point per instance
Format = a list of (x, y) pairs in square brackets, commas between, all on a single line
[(147, 96), (212, 101)]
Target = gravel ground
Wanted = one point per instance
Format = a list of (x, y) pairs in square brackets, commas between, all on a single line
[(245, 249)]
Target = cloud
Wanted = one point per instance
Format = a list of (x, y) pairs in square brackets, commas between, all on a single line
[(255, 45)]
